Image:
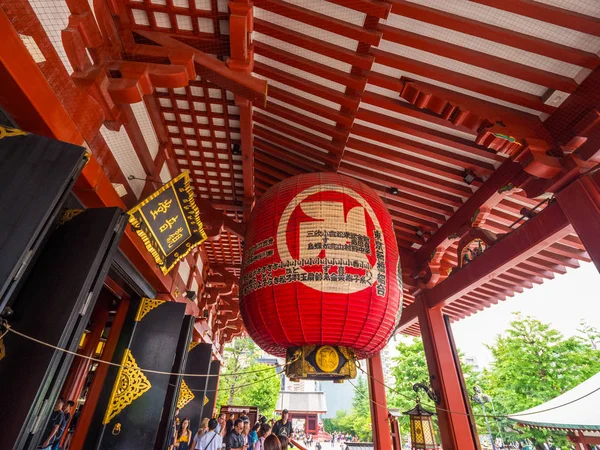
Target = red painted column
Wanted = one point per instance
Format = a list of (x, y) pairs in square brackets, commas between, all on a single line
[(78, 372), (379, 411), (580, 201), (455, 428), (85, 419)]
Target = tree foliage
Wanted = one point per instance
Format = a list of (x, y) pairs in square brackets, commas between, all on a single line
[(534, 363), (411, 367), (247, 382), (358, 421)]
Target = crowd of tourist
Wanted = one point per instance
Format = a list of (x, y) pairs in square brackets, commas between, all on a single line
[(229, 433)]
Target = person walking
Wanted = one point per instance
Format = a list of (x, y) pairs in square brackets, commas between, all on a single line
[(253, 436), (235, 440), (184, 436), (67, 418), (229, 424), (246, 430), (221, 424), (263, 433), (211, 440), (283, 427), (202, 430), (174, 427), (56, 421)]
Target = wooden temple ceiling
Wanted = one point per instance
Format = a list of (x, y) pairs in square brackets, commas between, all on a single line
[(437, 105)]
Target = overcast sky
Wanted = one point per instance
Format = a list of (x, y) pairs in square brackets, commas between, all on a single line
[(562, 302)]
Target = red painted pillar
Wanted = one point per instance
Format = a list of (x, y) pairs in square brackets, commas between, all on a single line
[(580, 201), (379, 411), (78, 372), (85, 419), (455, 428), (79, 369)]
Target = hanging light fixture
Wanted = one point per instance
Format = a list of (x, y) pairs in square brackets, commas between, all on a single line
[(422, 435)]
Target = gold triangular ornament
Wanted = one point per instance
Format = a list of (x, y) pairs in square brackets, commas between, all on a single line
[(185, 395), (131, 383)]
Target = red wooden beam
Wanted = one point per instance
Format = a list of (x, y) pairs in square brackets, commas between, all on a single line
[(308, 122), (423, 132), (548, 13), (443, 156), (409, 204), (281, 141), (375, 8), (538, 233), (458, 79), (426, 198), (313, 44), (284, 156), (305, 85), (298, 133), (319, 109), (210, 68), (495, 34), (581, 203), (479, 59), (307, 65), (448, 187), (318, 20), (361, 168), (379, 411)]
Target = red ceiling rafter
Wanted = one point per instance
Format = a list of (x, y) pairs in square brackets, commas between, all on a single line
[(479, 59), (495, 34), (447, 188), (458, 79), (548, 13), (318, 20), (375, 8), (313, 44)]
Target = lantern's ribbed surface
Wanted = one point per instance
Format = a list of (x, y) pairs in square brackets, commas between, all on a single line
[(321, 266)]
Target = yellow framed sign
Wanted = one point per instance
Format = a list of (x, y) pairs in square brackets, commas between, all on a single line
[(168, 221)]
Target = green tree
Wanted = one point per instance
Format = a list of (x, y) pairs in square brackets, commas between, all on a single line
[(263, 390), (589, 334), (534, 363), (411, 368), (358, 421), (246, 382)]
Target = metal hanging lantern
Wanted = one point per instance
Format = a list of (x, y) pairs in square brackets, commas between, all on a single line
[(422, 435)]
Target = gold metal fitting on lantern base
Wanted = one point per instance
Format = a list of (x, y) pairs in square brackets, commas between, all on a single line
[(321, 362)]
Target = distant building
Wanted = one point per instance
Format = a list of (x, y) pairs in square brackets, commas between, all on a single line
[(472, 361), (304, 408)]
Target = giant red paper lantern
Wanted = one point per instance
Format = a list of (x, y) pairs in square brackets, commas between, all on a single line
[(321, 267)]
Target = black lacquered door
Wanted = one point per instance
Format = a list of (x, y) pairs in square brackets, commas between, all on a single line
[(129, 410), (53, 306)]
